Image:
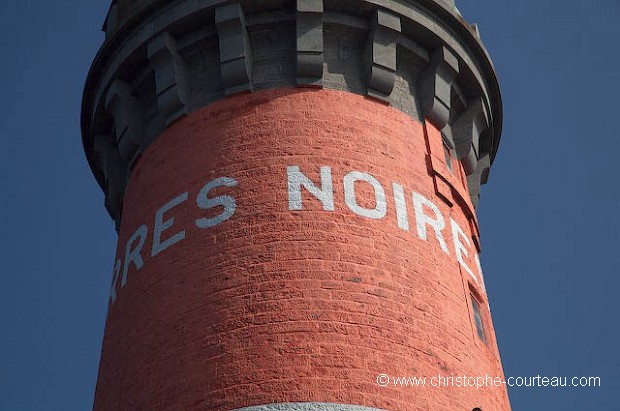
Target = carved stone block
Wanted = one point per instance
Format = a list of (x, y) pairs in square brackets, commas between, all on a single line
[(381, 54), (170, 77), (435, 86), (310, 47), (235, 53)]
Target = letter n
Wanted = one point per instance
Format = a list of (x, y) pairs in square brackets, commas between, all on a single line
[(296, 179)]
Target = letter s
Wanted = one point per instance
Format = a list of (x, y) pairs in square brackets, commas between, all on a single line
[(205, 203)]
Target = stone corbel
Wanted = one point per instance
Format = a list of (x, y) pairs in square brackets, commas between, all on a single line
[(381, 54), (115, 172), (478, 177), (310, 48), (235, 52), (171, 79), (128, 119), (466, 131), (435, 86)]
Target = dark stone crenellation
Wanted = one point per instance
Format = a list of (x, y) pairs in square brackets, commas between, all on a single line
[(164, 60)]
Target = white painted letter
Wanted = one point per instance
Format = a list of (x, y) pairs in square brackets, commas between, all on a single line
[(115, 274), (349, 195), (477, 258), (401, 207), (296, 179), (134, 255), (438, 224), (161, 225), (205, 203), (457, 234)]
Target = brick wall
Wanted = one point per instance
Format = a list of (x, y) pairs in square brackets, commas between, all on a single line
[(278, 305)]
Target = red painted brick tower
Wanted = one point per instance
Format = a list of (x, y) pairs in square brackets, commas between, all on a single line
[(294, 185)]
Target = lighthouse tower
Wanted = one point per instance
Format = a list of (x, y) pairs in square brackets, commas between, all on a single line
[(294, 184)]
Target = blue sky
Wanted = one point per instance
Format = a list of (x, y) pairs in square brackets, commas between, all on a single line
[(549, 215)]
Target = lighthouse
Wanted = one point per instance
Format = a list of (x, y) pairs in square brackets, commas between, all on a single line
[(294, 184)]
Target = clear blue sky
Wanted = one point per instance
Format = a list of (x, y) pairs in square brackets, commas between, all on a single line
[(549, 215)]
